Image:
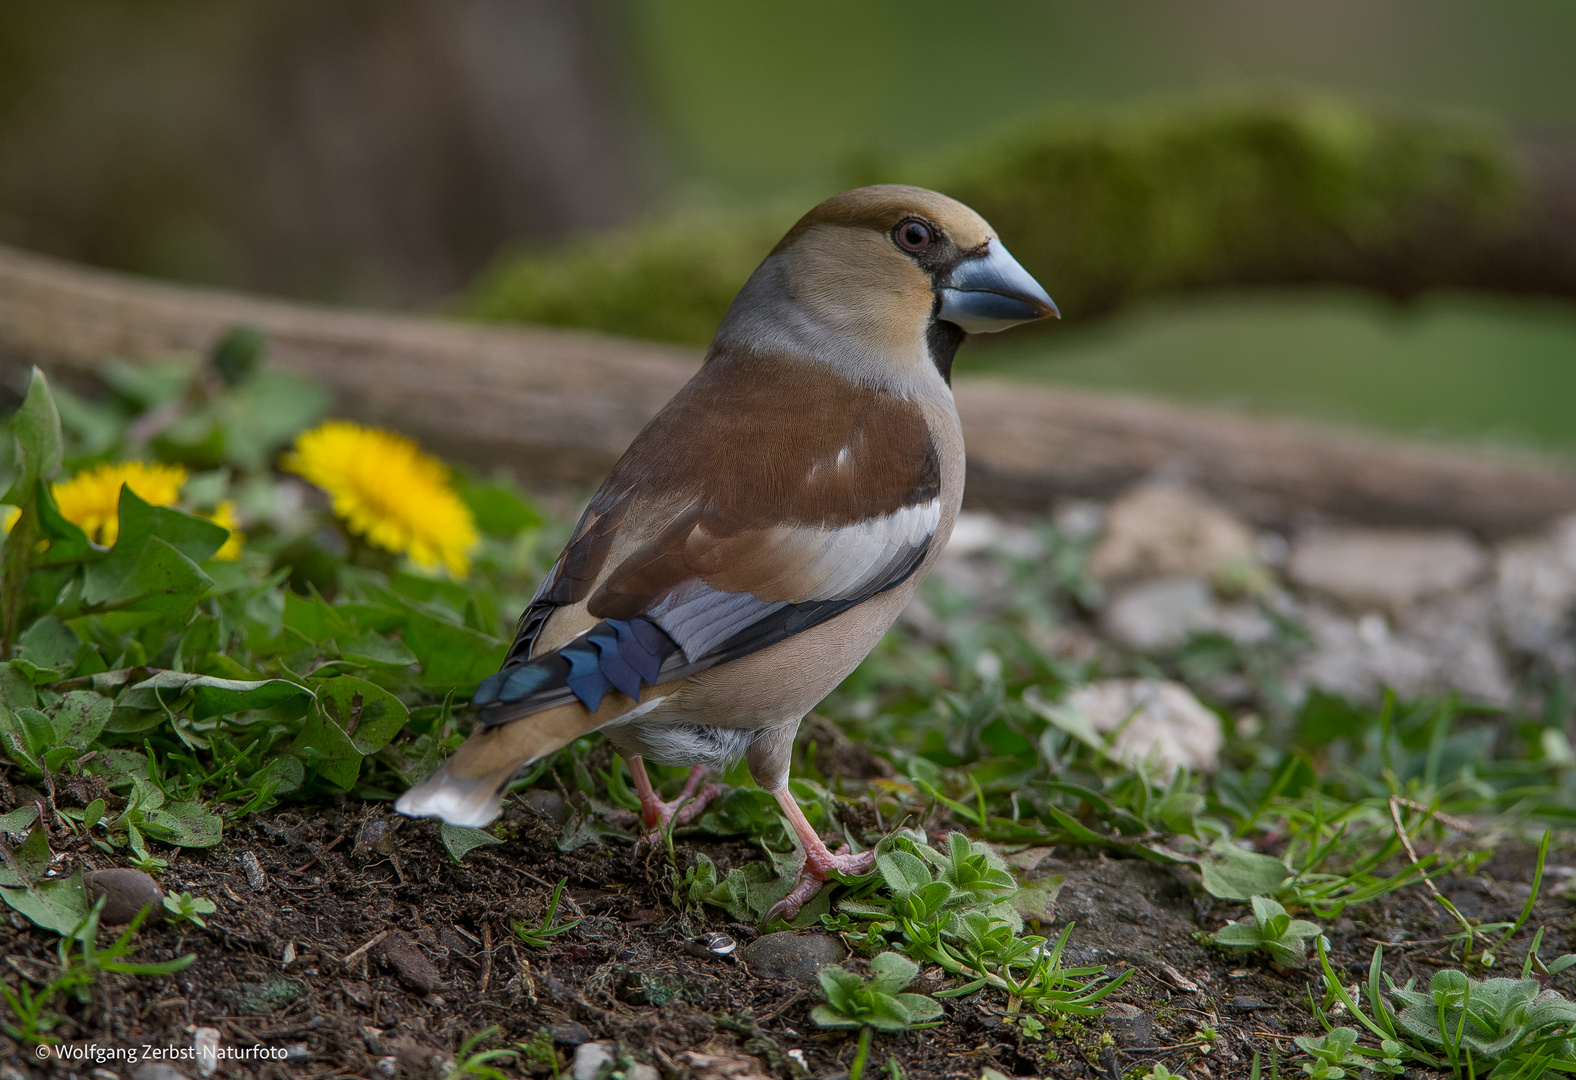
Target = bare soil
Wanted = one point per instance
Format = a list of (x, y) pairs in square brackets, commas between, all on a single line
[(360, 962)]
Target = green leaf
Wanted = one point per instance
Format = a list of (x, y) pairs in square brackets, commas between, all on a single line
[(324, 743), (239, 354), (163, 581), (1037, 899), (450, 654), (825, 1017), (39, 443), (50, 643), (58, 905), (31, 858), (1234, 874), (185, 824), (374, 649), (219, 697), (919, 1007), (891, 972), (67, 542), (499, 509), (17, 821), (904, 873), (80, 718), (369, 714), (116, 577), (461, 840)]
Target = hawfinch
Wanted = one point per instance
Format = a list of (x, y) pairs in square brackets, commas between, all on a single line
[(766, 527)]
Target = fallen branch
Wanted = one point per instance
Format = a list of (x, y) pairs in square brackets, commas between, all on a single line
[(558, 407)]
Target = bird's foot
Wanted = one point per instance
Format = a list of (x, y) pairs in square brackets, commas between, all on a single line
[(661, 817), (818, 869)]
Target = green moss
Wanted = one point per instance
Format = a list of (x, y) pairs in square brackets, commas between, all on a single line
[(1108, 209), (1104, 209), (668, 280)]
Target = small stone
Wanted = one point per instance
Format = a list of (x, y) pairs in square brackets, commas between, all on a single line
[(1535, 587), (125, 893), (1130, 1026), (725, 1066), (793, 955), (1167, 530), (1159, 722), (359, 992), (590, 1057), (410, 962), (569, 1033), (157, 1070), (1390, 569), (256, 877), (1244, 1003), (205, 1043), (455, 943), (1155, 615), (388, 1066), (549, 804), (376, 836), (298, 1052)]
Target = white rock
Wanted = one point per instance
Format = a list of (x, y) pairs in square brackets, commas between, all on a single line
[(1161, 614), (1389, 569), (1441, 646), (1170, 531), (1535, 586), (205, 1043), (591, 1057), (1158, 722)]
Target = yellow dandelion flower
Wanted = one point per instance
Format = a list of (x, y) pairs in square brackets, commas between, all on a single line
[(224, 516), (91, 500), (386, 490), (8, 516)]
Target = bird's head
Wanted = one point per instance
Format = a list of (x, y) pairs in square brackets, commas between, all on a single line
[(883, 283)]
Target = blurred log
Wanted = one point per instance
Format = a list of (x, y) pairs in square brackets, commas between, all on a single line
[(560, 406)]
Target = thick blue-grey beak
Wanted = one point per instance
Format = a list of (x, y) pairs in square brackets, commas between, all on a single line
[(991, 292)]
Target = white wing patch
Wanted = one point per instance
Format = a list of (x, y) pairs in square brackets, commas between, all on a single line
[(823, 565)]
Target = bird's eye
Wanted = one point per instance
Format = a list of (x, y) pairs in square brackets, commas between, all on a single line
[(912, 235)]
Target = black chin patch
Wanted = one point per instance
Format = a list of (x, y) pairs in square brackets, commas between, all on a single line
[(943, 339)]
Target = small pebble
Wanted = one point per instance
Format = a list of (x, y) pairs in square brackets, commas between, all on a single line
[(376, 835), (256, 877), (157, 1070), (1130, 1026), (297, 1052), (1243, 1003), (205, 1042), (126, 892), (410, 962), (549, 804), (792, 955), (569, 1033), (388, 1066)]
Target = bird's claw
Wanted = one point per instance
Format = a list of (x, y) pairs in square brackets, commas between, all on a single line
[(663, 817), (816, 872)]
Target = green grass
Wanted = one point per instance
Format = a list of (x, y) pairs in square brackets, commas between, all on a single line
[(1460, 366)]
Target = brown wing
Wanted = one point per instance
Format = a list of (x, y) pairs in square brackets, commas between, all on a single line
[(765, 484)]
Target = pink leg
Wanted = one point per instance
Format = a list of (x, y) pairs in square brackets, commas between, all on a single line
[(657, 814), (819, 861)]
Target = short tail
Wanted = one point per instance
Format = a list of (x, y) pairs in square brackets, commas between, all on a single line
[(468, 789)]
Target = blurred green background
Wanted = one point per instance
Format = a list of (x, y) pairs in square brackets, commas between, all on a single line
[(1267, 206)]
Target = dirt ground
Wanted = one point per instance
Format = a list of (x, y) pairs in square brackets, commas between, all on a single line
[(356, 961)]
